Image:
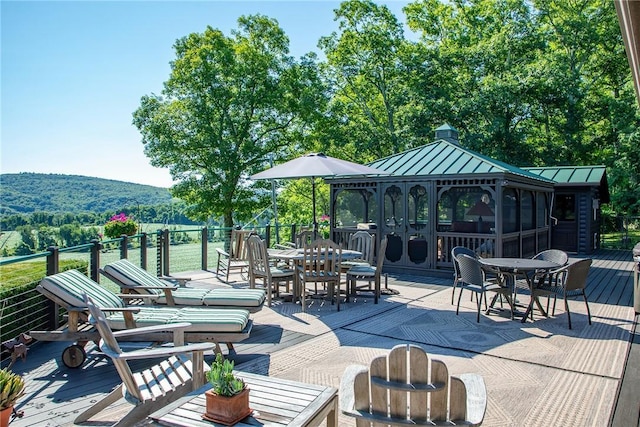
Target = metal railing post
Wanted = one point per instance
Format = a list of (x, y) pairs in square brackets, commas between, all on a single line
[(124, 243), (143, 251), (165, 252), (94, 262), (159, 250), (267, 233), (205, 238), (53, 264)]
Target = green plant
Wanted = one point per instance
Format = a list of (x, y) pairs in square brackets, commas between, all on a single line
[(11, 388), (222, 379), (120, 224)]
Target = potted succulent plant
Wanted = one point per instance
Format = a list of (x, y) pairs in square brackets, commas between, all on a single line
[(11, 389), (228, 399)]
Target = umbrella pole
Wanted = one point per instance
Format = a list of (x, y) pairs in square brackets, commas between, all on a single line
[(313, 198)]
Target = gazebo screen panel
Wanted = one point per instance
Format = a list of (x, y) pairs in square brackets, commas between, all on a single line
[(542, 210), (527, 211), (355, 206), (456, 210), (509, 210)]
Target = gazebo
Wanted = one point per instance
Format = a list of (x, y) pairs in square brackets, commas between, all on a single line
[(442, 195)]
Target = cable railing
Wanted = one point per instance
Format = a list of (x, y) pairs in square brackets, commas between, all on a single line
[(163, 253)]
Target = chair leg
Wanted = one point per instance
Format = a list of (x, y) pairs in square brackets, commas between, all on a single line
[(453, 291), (587, 304), (479, 303), (459, 298), (566, 307)]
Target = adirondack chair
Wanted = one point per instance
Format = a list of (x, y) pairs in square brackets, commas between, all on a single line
[(236, 258), (397, 390), (180, 373)]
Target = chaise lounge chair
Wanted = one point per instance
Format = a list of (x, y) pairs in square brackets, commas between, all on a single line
[(68, 289), (135, 280)]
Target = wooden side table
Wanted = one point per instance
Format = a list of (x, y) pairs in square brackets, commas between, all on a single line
[(274, 401)]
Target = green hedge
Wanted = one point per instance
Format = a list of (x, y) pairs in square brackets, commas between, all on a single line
[(22, 308)]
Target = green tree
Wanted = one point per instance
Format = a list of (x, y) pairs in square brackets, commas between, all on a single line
[(483, 53), (228, 104), (366, 74)]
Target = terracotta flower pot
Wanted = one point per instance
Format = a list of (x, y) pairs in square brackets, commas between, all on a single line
[(227, 410), (5, 416)]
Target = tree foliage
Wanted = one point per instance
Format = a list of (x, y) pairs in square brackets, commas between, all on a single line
[(229, 103), (528, 82)]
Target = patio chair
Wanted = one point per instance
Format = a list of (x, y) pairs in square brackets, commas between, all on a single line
[(368, 274), (472, 277), (181, 371), (260, 267), (457, 250), (68, 288), (554, 255), (572, 279), (363, 242), (320, 264), (400, 389), (153, 290), (236, 258)]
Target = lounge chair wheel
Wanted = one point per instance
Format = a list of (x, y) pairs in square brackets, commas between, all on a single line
[(74, 356)]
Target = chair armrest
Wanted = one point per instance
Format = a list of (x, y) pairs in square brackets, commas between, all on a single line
[(120, 309), (169, 286), (345, 394), (223, 252), (476, 397), (154, 328), (151, 353)]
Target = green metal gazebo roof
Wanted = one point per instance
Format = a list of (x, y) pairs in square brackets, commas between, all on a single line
[(578, 176), (447, 158)]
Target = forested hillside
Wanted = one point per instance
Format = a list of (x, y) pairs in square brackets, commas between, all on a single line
[(34, 192)]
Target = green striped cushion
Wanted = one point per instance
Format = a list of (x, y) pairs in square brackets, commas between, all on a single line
[(71, 285), (212, 320), (201, 319), (235, 297), (133, 276), (185, 296)]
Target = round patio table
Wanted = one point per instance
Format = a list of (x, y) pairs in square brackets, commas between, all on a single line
[(511, 267)]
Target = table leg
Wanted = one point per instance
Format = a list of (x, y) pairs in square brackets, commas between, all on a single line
[(332, 416), (534, 299)]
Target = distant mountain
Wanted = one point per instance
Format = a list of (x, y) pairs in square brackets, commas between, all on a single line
[(37, 192)]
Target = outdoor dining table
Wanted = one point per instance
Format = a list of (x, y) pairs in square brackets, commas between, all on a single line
[(511, 267), (296, 256)]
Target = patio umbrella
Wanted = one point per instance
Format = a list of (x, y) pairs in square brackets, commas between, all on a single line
[(316, 165)]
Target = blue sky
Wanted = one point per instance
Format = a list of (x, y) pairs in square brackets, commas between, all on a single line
[(72, 74)]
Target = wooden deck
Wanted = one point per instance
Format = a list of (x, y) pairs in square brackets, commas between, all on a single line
[(56, 394)]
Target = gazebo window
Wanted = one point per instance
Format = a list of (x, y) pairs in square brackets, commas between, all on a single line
[(527, 210), (393, 207), (418, 207), (354, 206), (542, 216), (509, 210), (466, 210)]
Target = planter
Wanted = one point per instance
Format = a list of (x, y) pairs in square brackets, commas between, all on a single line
[(5, 416), (227, 410)]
